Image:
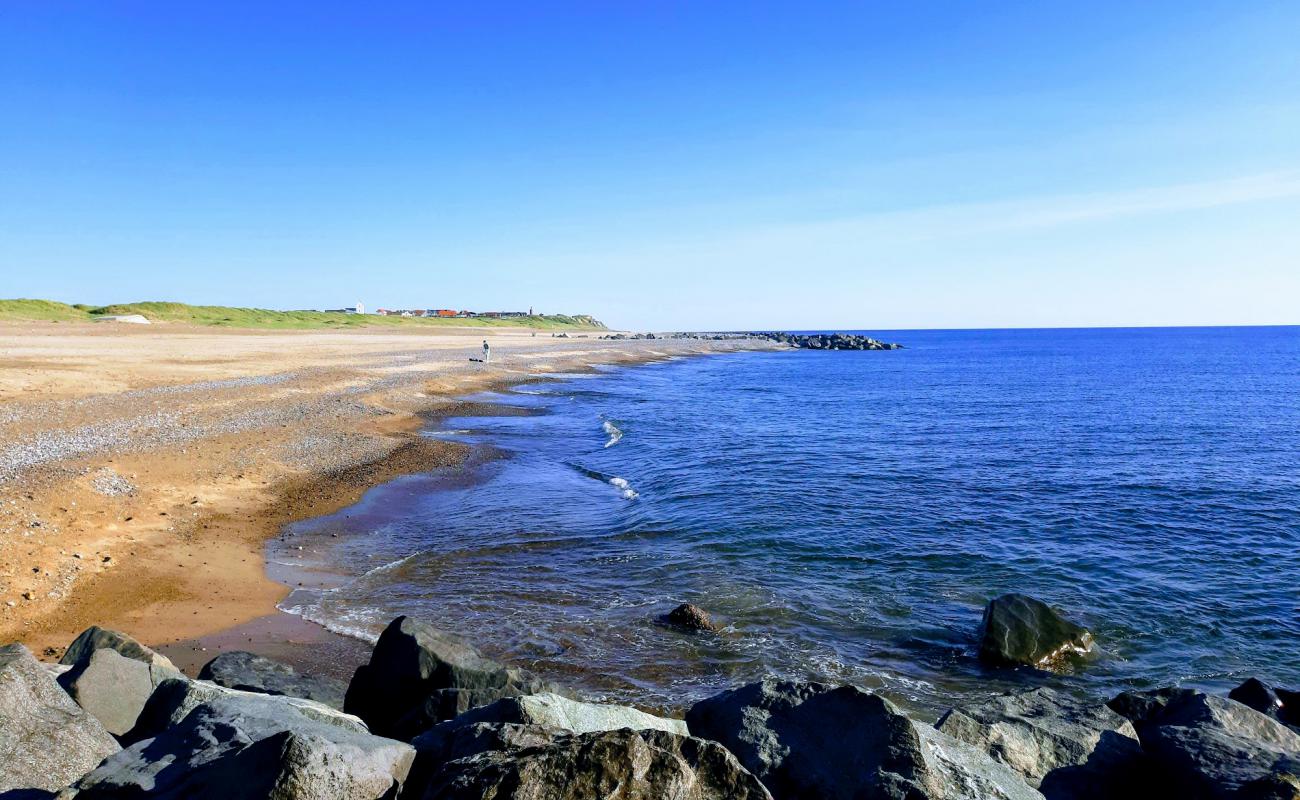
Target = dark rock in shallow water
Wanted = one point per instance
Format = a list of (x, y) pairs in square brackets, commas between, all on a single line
[(46, 740), (1063, 747), (1215, 748), (236, 745), (419, 675), (97, 638), (113, 687), (690, 617), (1280, 704), (1018, 630), (623, 764), (253, 673), (806, 740)]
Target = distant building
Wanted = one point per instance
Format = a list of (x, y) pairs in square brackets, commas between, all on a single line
[(443, 312)]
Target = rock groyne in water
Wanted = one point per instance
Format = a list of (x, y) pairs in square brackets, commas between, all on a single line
[(828, 341)]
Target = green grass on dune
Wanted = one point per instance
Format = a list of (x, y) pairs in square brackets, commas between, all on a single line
[(228, 317)]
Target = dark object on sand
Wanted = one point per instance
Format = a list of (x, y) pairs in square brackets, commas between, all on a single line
[(691, 617), (1020, 631), (253, 673)]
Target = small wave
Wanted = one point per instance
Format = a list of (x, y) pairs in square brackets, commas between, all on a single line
[(624, 487), (613, 432)]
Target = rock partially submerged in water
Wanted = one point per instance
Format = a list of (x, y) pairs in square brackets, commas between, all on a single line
[(46, 740), (829, 341), (841, 743), (627, 764), (419, 675), (691, 617), (245, 745), (1063, 747), (253, 673), (1018, 630)]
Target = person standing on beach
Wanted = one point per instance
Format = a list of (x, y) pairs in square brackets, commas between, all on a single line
[(487, 352)]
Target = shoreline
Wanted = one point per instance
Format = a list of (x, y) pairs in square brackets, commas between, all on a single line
[(181, 580)]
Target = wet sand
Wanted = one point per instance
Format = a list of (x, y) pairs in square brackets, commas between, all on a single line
[(142, 469)]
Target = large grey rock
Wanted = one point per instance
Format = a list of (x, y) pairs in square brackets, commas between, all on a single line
[(1141, 708), (242, 746), (622, 764), (114, 688), (253, 673), (514, 722), (1280, 704), (173, 701), (46, 740), (1018, 630), (555, 711), (1213, 747), (808, 740), (419, 675), (1063, 747), (96, 638)]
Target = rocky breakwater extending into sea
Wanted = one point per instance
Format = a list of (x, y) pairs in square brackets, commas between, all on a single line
[(827, 341), (431, 717)]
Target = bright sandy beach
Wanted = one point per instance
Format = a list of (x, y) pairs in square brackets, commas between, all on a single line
[(142, 469)]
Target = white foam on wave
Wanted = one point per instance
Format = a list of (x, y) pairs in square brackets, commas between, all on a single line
[(613, 432), (624, 487)]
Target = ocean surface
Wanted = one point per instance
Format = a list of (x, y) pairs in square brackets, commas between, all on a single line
[(846, 516)]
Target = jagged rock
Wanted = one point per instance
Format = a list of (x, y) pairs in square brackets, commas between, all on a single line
[(114, 688), (513, 722), (1063, 747), (419, 675), (1280, 704), (173, 701), (807, 740), (1212, 747), (1142, 707), (691, 617), (243, 745), (623, 764), (96, 638), (1019, 630), (554, 711), (46, 740), (253, 673)]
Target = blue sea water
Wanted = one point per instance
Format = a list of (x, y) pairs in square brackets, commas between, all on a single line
[(846, 516)]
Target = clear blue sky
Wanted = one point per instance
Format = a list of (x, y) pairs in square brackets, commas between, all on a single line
[(661, 164)]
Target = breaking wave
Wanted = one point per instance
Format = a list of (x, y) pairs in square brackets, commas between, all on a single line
[(613, 432)]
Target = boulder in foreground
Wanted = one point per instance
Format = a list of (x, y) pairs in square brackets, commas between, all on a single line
[(1063, 747), (1212, 747), (623, 764), (253, 673), (114, 688), (96, 638), (1280, 704), (46, 740), (238, 745), (419, 675), (806, 740), (1018, 630)]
